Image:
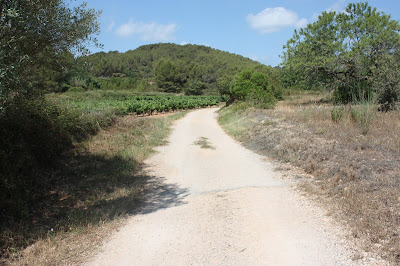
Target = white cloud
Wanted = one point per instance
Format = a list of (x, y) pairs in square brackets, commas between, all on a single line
[(254, 58), (338, 6), (315, 16), (184, 43), (111, 26), (147, 31), (274, 19), (205, 44), (266, 60)]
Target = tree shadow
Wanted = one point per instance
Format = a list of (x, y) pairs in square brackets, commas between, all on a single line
[(161, 195), (83, 191)]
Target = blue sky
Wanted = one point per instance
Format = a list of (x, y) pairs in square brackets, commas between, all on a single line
[(254, 28)]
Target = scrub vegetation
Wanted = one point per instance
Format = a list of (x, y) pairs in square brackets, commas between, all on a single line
[(355, 174)]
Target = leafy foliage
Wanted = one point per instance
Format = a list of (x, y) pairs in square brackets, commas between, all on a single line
[(195, 87), (386, 80), (167, 76), (34, 35), (342, 51), (253, 87)]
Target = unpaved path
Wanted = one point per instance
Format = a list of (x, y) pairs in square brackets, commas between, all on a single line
[(222, 206)]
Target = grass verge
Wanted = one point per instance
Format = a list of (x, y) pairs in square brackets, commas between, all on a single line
[(90, 192), (356, 172)]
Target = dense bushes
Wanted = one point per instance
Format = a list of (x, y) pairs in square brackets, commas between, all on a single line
[(254, 87)]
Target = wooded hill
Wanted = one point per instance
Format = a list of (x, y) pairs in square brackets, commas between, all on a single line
[(169, 67)]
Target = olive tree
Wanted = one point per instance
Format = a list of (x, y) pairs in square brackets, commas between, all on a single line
[(35, 32)]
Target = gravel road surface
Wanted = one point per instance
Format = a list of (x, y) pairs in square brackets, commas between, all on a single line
[(221, 205)]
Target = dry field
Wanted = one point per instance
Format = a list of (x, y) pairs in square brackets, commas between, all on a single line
[(357, 175)]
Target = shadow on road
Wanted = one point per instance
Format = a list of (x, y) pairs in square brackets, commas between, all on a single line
[(160, 195)]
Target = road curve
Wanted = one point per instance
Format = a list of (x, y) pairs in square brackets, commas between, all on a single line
[(223, 205)]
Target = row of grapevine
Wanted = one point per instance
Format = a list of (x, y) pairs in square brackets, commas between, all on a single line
[(141, 105)]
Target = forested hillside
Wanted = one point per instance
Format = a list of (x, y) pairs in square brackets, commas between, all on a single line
[(168, 67)]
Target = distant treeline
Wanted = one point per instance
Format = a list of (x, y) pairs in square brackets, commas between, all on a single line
[(193, 69)]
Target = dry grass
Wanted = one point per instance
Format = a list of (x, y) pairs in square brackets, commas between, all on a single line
[(358, 174), (91, 193)]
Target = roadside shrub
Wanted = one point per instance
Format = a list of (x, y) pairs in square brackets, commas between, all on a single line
[(262, 98), (253, 87), (80, 125)]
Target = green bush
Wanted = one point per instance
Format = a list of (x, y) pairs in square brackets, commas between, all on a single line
[(253, 87), (261, 98), (388, 98)]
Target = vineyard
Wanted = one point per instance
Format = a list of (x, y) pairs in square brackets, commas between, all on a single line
[(139, 104)]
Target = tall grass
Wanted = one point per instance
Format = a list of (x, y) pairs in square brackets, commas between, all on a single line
[(337, 113), (363, 111)]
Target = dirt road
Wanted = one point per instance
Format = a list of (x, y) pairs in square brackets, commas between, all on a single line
[(221, 205)]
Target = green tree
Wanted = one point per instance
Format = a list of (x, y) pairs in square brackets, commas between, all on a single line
[(195, 87), (260, 80), (242, 85), (36, 32), (167, 76), (339, 50), (57, 71), (224, 84)]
